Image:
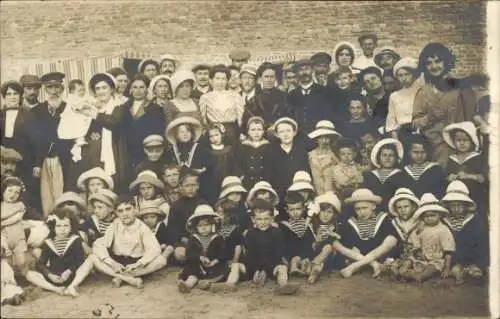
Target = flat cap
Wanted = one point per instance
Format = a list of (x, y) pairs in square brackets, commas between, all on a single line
[(30, 80), (52, 78), (153, 140), (202, 66), (239, 55)]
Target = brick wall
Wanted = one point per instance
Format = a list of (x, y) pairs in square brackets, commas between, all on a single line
[(54, 30)]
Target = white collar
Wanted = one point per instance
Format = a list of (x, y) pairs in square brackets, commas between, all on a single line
[(217, 147), (307, 86)]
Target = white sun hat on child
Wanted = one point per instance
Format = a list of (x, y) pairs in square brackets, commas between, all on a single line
[(231, 184), (429, 202), (146, 176), (262, 185), (287, 120), (106, 196), (202, 210), (71, 197), (151, 207), (301, 181), (187, 120), (402, 193), (468, 127), (179, 77), (380, 144), (457, 191), (329, 198), (324, 128), (363, 195), (96, 172)]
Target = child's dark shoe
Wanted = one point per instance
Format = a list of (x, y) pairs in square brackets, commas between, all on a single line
[(288, 289)]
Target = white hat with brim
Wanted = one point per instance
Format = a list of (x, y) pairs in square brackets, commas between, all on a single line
[(201, 211), (286, 120), (231, 184), (329, 198), (428, 202), (262, 186), (171, 58), (380, 144), (104, 195), (146, 177), (183, 120), (457, 191), (324, 128), (154, 81), (70, 197), (468, 127), (300, 186), (95, 172), (407, 62), (151, 207), (402, 193), (179, 77), (363, 195), (385, 50)]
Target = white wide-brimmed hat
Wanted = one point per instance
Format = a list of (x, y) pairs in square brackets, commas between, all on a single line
[(202, 210), (385, 50), (70, 197), (406, 62), (468, 127), (457, 191), (323, 128), (262, 185), (154, 81), (329, 198), (96, 172), (179, 77), (106, 196), (301, 181), (378, 146), (189, 120), (363, 195), (231, 184), (146, 176), (429, 202), (402, 193)]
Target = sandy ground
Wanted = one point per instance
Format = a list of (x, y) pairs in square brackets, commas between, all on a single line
[(332, 296)]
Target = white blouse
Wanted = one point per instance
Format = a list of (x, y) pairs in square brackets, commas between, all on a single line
[(221, 107), (401, 107)]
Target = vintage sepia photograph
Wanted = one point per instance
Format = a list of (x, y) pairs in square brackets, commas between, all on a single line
[(249, 159)]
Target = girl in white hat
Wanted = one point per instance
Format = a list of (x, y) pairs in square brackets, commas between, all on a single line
[(182, 104), (206, 251), (433, 244), (467, 164), (470, 230), (322, 158), (320, 234), (368, 237), (386, 178)]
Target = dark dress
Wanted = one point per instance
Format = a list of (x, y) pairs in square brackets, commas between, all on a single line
[(224, 164), (51, 262), (268, 104), (250, 162), (384, 189), (264, 250), (240, 215), (356, 129), (472, 164), (233, 237), (297, 244), (156, 167), (311, 237), (432, 180), (179, 214), (165, 234), (216, 250)]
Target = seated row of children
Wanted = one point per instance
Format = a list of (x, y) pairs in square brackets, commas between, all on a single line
[(127, 237)]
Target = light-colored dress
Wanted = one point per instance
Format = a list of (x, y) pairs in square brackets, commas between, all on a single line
[(322, 170), (401, 107), (434, 242), (346, 178)]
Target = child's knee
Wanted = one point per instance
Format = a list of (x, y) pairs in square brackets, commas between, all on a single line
[(180, 253)]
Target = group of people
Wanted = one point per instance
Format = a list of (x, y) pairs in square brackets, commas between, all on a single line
[(246, 172)]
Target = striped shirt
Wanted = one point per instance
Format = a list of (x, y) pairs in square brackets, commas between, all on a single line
[(367, 227), (226, 231), (298, 226), (60, 245), (221, 107), (457, 222), (204, 241), (103, 225), (417, 170), (324, 229), (384, 173)]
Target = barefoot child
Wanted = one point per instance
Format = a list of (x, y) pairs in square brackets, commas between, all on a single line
[(205, 252), (128, 249), (471, 257), (321, 233), (265, 249), (433, 243), (368, 237)]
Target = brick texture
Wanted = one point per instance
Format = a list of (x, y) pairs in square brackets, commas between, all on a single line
[(207, 31)]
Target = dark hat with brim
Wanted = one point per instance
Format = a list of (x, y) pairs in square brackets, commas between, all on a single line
[(370, 70), (29, 80), (199, 67), (52, 78), (321, 58), (102, 77)]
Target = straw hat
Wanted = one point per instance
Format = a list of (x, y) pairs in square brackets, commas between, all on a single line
[(151, 207), (286, 120), (457, 191), (248, 68), (96, 172), (363, 195), (262, 185), (146, 176), (102, 77), (231, 184), (385, 50), (179, 77), (153, 140), (468, 127), (406, 62), (378, 146), (106, 196), (323, 128), (402, 193), (429, 202), (329, 198), (154, 81), (301, 181), (179, 121), (71, 197), (202, 210)]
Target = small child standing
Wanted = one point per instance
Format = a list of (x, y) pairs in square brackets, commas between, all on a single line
[(250, 156), (103, 206), (171, 174), (433, 244), (468, 164), (321, 233), (265, 249), (147, 187), (469, 229), (205, 252), (12, 212), (62, 253), (347, 175), (322, 159), (154, 148), (222, 154)]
